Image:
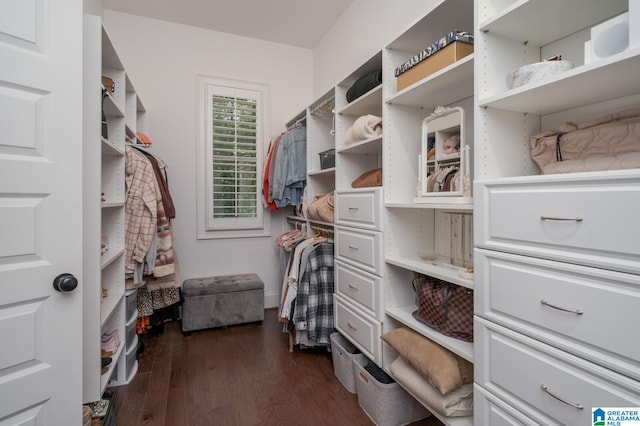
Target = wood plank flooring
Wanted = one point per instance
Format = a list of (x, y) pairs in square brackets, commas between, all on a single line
[(241, 375)]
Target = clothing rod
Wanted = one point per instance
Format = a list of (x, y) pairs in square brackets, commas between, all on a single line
[(297, 123), (321, 108)]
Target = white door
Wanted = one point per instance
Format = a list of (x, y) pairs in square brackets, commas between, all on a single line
[(40, 211)]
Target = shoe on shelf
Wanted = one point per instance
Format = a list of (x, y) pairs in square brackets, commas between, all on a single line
[(106, 361)]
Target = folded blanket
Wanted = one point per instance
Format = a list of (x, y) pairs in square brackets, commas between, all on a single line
[(365, 127), (364, 84)]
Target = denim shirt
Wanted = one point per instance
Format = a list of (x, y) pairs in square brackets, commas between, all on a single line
[(291, 164)]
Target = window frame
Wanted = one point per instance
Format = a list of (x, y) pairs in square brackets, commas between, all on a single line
[(208, 226)]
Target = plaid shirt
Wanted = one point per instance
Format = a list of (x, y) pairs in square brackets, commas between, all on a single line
[(140, 208), (314, 301)]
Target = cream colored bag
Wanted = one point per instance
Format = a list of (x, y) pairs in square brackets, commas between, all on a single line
[(606, 143)]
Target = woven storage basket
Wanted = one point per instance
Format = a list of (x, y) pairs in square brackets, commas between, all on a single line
[(343, 352), (387, 404)]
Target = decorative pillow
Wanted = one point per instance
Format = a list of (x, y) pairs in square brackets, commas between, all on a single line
[(457, 403), (442, 368)]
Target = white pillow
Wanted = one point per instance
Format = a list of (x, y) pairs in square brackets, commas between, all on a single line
[(457, 403)]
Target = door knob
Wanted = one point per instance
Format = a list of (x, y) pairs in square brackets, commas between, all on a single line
[(65, 283)]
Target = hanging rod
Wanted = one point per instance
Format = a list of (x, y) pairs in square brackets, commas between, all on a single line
[(323, 107)]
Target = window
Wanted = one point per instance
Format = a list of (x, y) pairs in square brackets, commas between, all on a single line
[(231, 160)]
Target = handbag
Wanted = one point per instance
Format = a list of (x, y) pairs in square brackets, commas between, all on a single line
[(444, 306), (368, 179), (321, 208)]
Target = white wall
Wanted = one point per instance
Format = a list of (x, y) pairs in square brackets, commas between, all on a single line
[(162, 60), (361, 32)]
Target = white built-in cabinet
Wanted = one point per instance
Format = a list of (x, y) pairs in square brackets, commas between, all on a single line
[(555, 300), (106, 307), (557, 260), (359, 263), (425, 234), (382, 233)]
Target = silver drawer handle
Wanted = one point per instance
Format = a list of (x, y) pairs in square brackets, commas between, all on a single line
[(352, 287), (353, 247), (560, 308), (573, 219), (352, 327), (353, 209), (576, 405)]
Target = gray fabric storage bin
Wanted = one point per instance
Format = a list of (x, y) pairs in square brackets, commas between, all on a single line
[(342, 353), (385, 404), (220, 301)]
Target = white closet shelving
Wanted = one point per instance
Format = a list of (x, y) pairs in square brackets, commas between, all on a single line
[(527, 266), (320, 138), (105, 307), (429, 235), (358, 298)]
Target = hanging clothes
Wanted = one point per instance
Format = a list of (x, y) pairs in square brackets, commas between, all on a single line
[(314, 301), (140, 209), (151, 261), (267, 175), (289, 168), (306, 307)]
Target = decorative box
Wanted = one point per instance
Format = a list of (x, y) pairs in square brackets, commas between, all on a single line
[(536, 71), (448, 49)]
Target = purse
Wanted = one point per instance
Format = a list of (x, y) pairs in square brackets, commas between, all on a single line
[(444, 306), (368, 179), (321, 208)]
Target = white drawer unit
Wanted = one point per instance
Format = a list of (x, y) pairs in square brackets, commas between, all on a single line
[(360, 248), (359, 208), (490, 410), (580, 309), (546, 383), (586, 219), (362, 330), (360, 287)]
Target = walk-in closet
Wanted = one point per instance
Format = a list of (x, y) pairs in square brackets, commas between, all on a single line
[(347, 212)]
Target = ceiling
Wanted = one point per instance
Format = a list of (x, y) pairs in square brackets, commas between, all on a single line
[(295, 22)]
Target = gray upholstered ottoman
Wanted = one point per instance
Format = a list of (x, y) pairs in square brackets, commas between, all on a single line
[(221, 301)]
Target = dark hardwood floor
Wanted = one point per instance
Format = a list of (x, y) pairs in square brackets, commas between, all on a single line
[(242, 375)]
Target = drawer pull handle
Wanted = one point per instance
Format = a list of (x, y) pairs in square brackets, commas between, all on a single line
[(353, 247), (352, 287), (576, 405), (573, 219), (352, 327), (560, 308), (353, 209)]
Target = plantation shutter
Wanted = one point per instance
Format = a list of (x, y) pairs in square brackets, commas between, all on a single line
[(234, 135)]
